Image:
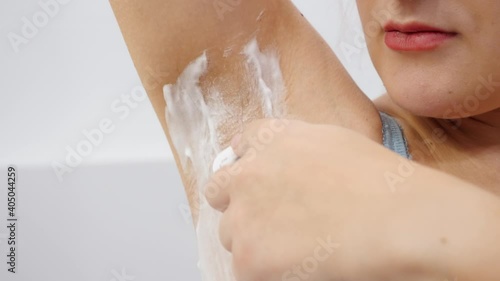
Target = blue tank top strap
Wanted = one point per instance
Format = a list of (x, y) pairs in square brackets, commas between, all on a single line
[(393, 136)]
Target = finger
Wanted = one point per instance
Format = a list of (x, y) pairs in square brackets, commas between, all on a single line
[(257, 135), (217, 190), (244, 141), (225, 231)]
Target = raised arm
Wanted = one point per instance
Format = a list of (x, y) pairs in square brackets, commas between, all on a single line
[(164, 37)]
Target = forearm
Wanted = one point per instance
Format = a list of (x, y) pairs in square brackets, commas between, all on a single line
[(432, 227), (453, 233), (472, 252)]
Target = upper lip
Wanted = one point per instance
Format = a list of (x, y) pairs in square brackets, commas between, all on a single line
[(412, 27)]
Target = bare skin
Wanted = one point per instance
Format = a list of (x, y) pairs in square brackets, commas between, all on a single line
[(163, 41), (458, 80), (463, 151), (320, 91), (423, 93), (429, 226)]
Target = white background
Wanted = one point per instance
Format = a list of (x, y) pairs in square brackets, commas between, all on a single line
[(118, 212)]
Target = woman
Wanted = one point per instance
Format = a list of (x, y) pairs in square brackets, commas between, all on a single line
[(324, 200)]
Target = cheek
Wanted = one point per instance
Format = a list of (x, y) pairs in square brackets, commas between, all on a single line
[(379, 11), (459, 80), (365, 7), (443, 86), (362, 8), (374, 15)]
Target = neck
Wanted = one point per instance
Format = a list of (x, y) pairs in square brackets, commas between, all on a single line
[(476, 131), (468, 148), (472, 149)]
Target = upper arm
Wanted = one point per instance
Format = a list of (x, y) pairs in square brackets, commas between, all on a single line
[(163, 37)]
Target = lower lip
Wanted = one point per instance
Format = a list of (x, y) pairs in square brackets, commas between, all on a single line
[(417, 41)]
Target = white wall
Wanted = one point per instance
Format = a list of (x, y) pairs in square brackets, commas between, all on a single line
[(119, 209), (64, 81), (70, 73)]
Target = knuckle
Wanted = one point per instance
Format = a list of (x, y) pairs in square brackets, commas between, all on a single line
[(244, 260), (211, 190), (252, 261), (255, 125), (247, 177), (225, 231), (222, 178)]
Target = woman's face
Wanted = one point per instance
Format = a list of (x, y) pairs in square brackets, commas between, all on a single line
[(437, 58)]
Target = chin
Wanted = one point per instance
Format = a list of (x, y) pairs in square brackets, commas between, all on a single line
[(433, 103)]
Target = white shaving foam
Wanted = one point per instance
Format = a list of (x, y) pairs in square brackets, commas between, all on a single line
[(194, 116)]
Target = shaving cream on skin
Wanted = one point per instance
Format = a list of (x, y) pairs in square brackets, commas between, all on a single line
[(196, 117)]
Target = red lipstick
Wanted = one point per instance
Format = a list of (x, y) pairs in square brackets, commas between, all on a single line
[(415, 36)]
